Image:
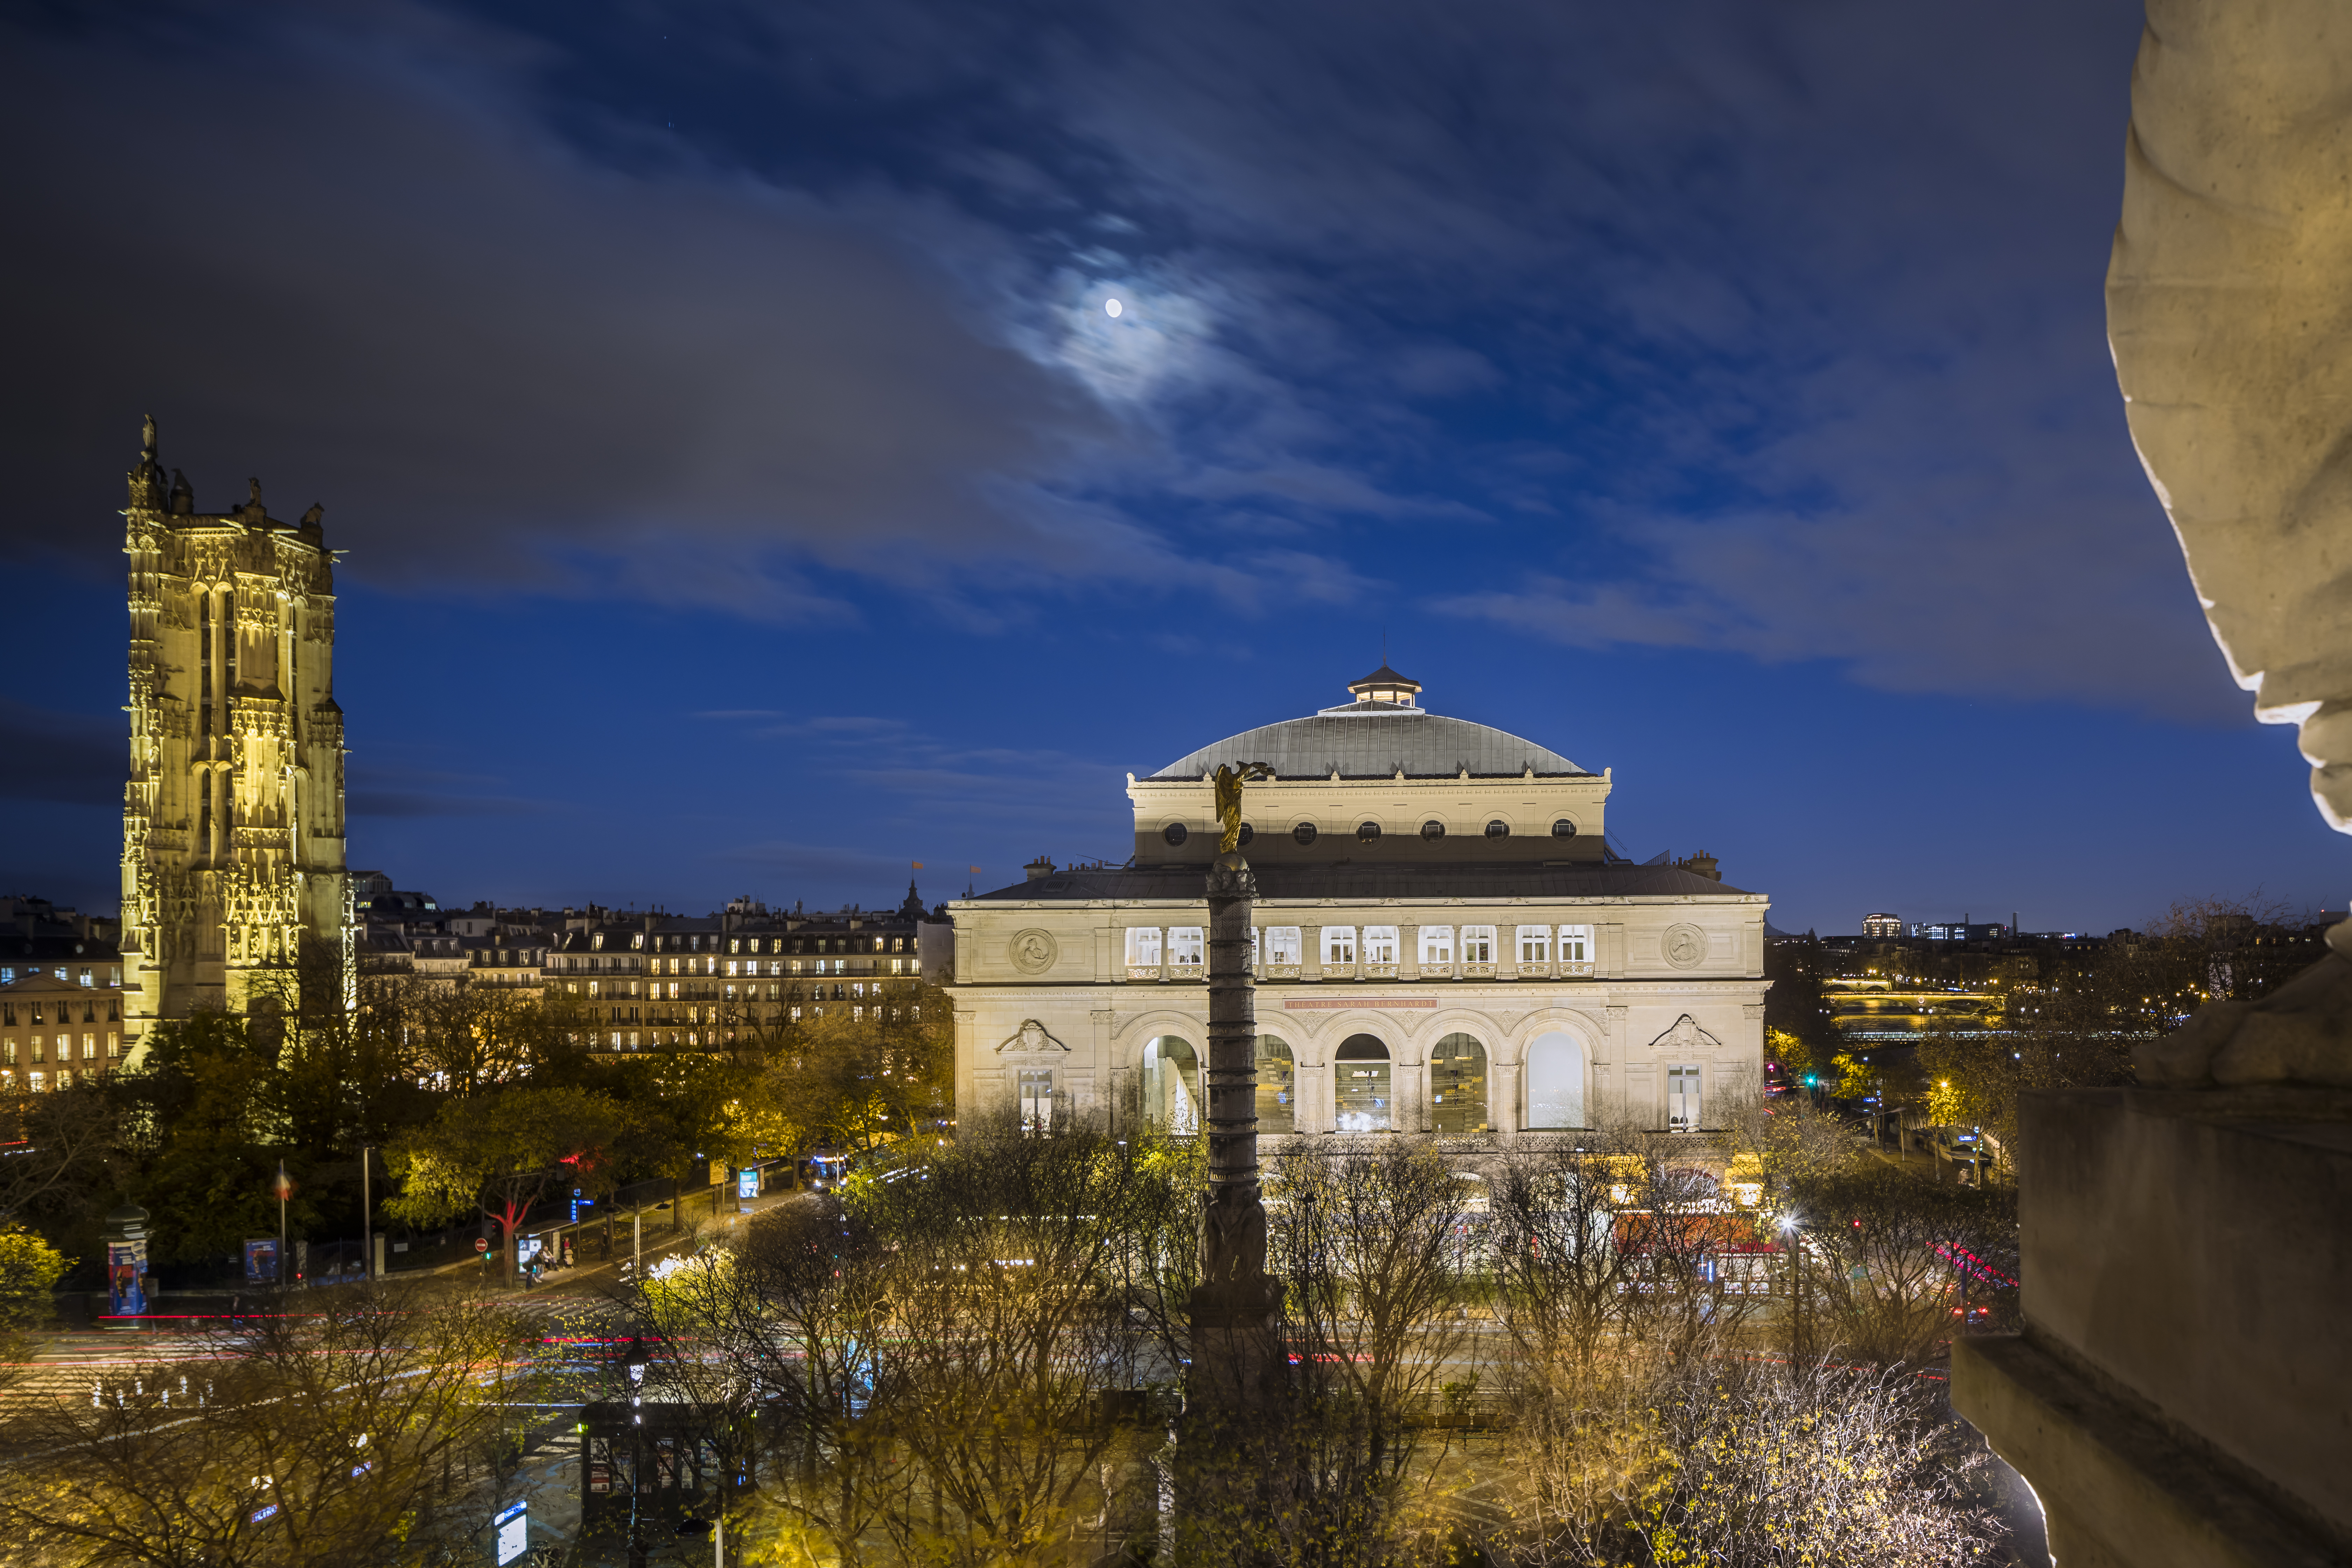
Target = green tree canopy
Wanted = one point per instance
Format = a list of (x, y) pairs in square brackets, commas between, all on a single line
[(501, 1153)]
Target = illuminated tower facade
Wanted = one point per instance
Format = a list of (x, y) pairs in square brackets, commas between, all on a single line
[(233, 818)]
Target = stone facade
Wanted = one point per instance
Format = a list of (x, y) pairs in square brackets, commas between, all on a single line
[(233, 814), (1407, 980)]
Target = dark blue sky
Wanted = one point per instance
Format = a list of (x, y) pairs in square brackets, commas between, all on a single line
[(747, 489)]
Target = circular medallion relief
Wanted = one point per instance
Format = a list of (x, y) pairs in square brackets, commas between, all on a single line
[(1685, 946), (1033, 950)]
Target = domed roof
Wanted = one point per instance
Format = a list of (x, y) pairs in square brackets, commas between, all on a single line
[(1374, 744)]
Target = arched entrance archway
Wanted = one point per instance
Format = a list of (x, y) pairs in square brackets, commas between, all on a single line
[(1172, 1086), (1457, 1087), (1361, 1094), (1555, 1080), (1277, 1086)]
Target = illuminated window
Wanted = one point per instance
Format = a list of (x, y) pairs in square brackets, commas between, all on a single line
[(1379, 945), (1036, 1093), (1278, 1097), (1682, 1097), (1143, 947), (1437, 944), (1478, 945), (1535, 944), (1338, 947), (1361, 1085), (1457, 1087), (1555, 1081), (1186, 945), (1283, 944), (1576, 945)]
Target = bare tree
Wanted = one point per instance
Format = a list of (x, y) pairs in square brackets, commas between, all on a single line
[(349, 1433), (1753, 1463)]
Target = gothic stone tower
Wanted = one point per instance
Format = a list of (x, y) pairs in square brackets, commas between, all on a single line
[(233, 818)]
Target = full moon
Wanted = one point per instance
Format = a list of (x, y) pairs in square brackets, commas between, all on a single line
[(1112, 307)]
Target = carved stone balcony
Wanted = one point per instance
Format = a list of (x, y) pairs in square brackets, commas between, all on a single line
[(1437, 970), (1478, 972), (1577, 970), (1143, 972), (1380, 972), (1278, 971), (1187, 971)]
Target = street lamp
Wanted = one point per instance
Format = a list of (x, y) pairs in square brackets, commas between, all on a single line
[(1791, 1231), (633, 1362)]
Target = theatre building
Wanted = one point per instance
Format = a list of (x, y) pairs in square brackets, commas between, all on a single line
[(1444, 943)]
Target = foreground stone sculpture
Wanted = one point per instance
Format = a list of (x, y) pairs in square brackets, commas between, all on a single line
[(2181, 1392)]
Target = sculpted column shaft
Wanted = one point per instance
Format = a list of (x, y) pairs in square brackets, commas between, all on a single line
[(1233, 1031), (1235, 1353)]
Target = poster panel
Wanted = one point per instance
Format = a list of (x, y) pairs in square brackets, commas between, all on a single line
[(126, 1262)]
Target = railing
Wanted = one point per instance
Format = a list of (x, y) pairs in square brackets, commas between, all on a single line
[(1437, 970), (1380, 972), (1187, 971), (1143, 972), (1278, 971), (1478, 972)]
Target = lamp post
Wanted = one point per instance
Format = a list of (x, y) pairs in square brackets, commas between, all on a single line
[(367, 1217), (633, 1362), (1793, 1232)]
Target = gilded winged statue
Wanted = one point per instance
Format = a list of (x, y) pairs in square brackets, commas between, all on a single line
[(1228, 782)]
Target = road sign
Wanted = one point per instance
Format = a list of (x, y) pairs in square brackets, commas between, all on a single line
[(482, 1244), (513, 1527)]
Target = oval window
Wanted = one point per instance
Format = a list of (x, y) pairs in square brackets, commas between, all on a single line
[(1304, 833), (1498, 828), (1368, 832), (1432, 829), (1174, 833), (1563, 828), (1247, 834)]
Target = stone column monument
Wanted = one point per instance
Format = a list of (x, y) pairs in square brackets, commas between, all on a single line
[(1235, 1350)]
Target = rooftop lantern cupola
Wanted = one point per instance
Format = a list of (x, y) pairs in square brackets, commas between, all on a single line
[(1386, 687)]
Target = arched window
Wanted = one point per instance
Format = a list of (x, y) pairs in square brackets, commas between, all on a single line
[(1277, 1086), (1171, 1087), (1432, 829), (1457, 1087), (1555, 1081), (1360, 1095), (1498, 828)]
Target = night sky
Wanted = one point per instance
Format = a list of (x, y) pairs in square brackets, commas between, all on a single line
[(747, 489)]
